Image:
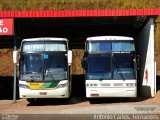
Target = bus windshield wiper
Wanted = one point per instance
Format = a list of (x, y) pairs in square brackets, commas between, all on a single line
[(121, 74), (35, 77), (50, 75), (119, 71)]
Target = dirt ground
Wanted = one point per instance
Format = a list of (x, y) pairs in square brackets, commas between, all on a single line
[(47, 106)]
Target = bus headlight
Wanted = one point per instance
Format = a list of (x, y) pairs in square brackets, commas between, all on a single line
[(24, 86), (62, 85), (95, 84), (130, 84), (91, 85)]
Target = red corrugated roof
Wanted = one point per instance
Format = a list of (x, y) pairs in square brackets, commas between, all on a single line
[(79, 13)]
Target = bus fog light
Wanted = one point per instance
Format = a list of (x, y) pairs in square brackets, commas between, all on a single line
[(62, 85), (24, 86)]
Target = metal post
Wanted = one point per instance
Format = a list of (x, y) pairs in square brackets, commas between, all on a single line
[(15, 75)]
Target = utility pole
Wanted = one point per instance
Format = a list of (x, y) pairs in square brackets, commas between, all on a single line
[(15, 70)]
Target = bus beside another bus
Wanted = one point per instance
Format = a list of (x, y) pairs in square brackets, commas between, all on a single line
[(111, 67), (45, 68)]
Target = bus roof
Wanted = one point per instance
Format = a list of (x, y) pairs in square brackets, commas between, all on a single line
[(45, 39), (101, 38)]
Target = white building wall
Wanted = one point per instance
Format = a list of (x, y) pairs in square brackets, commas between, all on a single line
[(145, 48)]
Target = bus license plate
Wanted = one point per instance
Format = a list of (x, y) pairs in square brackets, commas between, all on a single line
[(43, 93)]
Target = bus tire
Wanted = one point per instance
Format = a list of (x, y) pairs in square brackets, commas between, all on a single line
[(31, 100)]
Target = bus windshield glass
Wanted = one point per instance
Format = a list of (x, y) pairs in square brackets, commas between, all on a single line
[(43, 66), (99, 66), (43, 60), (123, 66), (117, 66), (31, 67), (55, 66), (110, 60)]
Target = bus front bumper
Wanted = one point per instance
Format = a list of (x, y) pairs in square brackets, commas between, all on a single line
[(55, 93), (110, 92)]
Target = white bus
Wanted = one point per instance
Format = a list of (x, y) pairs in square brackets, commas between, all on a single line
[(110, 65), (44, 68)]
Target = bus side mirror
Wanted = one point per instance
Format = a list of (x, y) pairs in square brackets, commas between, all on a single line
[(83, 63), (69, 57), (15, 53), (138, 61)]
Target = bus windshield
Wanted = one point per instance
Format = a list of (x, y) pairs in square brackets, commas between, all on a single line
[(110, 66), (43, 66)]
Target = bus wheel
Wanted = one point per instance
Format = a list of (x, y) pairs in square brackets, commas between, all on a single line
[(92, 100), (31, 100)]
